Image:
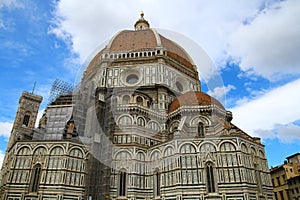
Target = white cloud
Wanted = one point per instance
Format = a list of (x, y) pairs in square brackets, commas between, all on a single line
[(208, 23), (206, 67), (288, 133), (39, 116), (10, 4), (1, 158), (5, 128), (265, 42), (263, 35), (220, 92), (241, 101), (278, 106), (20, 49), (269, 46)]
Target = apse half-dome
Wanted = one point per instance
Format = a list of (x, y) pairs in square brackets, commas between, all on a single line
[(194, 99)]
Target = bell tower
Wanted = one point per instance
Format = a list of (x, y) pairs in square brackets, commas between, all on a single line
[(26, 115)]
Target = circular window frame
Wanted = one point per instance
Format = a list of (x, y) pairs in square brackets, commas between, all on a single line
[(132, 79), (126, 75), (179, 86), (182, 83)]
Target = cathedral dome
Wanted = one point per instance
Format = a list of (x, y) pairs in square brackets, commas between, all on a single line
[(143, 41), (194, 99)]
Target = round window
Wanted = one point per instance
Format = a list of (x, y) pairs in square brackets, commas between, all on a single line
[(132, 79), (179, 87)]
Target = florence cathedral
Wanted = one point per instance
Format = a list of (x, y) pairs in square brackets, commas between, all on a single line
[(137, 127)]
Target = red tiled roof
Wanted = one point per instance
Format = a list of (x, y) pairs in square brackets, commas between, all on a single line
[(194, 99), (174, 48), (135, 40)]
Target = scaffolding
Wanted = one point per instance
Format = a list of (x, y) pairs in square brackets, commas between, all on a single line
[(59, 88)]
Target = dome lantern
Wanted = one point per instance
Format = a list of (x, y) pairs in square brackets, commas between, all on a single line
[(141, 24)]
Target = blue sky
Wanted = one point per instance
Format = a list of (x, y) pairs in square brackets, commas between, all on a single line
[(254, 45)]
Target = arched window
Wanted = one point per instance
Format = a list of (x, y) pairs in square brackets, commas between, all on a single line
[(156, 183), (26, 119), (122, 183), (35, 178), (139, 101), (125, 120), (187, 148), (207, 147), (24, 151), (154, 126), (141, 121), (187, 156), (210, 178), (76, 153), (200, 129), (54, 160), (244, 148), (253, 151), (126, 99), (261, 154), (174, 126), (227, 146)]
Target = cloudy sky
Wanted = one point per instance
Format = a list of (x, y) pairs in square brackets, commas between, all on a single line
[(254, 46)]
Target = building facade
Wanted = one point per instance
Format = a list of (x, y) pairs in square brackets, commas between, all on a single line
[(294, 187), (285, 178), (39, 165), (142, 129)]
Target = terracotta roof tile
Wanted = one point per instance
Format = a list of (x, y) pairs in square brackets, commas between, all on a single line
[(194, 99), (134, 40), (173, 47)]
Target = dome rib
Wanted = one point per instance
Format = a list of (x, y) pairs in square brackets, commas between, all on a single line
[(157, 36)]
